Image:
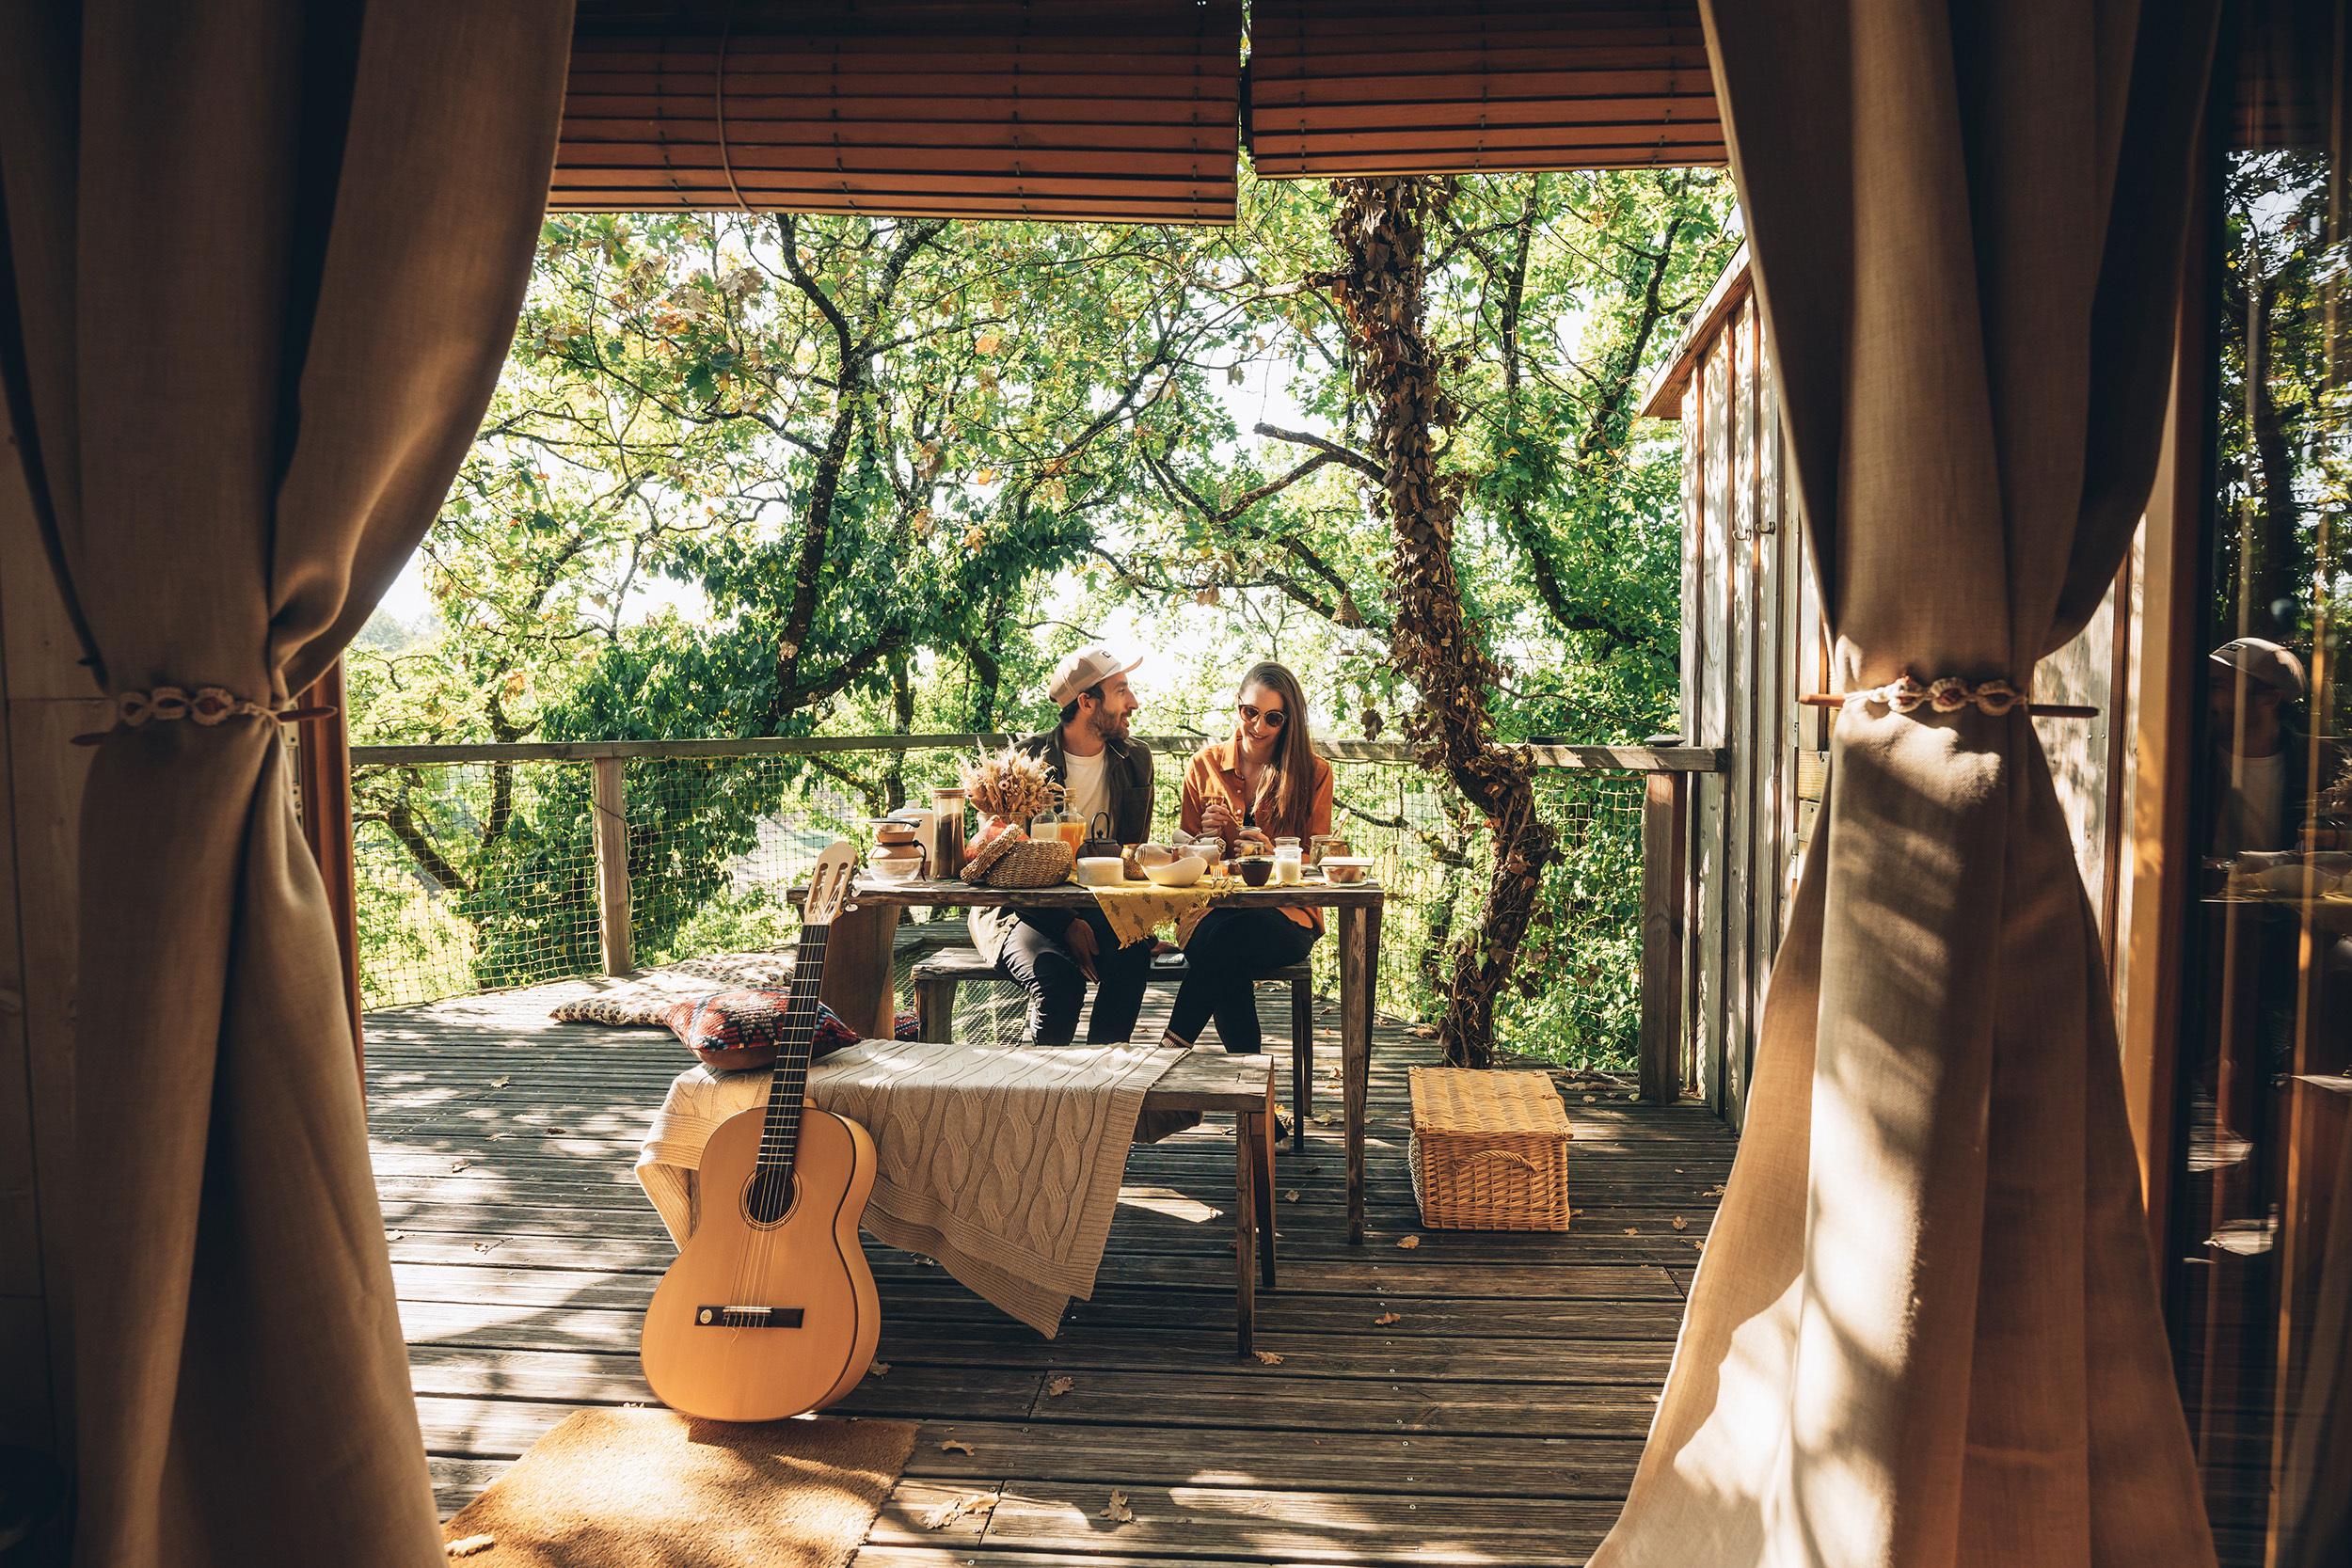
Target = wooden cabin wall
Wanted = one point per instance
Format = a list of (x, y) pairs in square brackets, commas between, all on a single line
[(1750, 646), (1753, 642), (47, 701)]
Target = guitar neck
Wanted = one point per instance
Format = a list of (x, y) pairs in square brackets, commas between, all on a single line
[(780, 1131)]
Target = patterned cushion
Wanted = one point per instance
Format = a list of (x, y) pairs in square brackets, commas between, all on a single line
[(648, 998), (733, 1031)]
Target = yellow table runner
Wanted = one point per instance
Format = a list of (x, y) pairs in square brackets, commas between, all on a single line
[(1136, 909)]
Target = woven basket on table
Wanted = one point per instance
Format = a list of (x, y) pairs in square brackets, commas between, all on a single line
[(1014, 859), (1489, 1150)]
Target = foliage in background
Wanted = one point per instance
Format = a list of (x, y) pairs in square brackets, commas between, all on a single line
[(751, 476)]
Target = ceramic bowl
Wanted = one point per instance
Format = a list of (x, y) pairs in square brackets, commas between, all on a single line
[(1101, 871), (1183, 871), (1346, 868), (1254, 869)]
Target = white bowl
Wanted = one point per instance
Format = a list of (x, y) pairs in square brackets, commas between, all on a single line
[(1183, 871), (1346, 868), (1101, 871)]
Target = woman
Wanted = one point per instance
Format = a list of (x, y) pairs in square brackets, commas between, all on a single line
[(1264, 783)]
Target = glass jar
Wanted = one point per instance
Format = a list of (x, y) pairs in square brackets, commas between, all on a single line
[(1289, 866), (947, 832)]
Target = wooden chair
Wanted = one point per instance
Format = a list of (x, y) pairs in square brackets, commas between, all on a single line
[(936, 977)]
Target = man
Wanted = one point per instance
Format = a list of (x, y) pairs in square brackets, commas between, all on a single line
[(2261, 760), (1052, 954)]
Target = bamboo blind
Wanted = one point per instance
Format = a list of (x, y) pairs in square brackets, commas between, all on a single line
[(1117, 110), (1422, 87)]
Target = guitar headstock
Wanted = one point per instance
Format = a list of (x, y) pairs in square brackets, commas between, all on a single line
[(829, 884)]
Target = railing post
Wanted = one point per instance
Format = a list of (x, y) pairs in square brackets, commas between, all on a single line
[(610, 796), (1666, 804)]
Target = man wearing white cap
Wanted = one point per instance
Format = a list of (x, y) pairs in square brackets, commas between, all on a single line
[(2261, 762), (1052, 954)]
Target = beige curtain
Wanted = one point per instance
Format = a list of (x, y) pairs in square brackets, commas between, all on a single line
[(1925, 1332), (261, 264)]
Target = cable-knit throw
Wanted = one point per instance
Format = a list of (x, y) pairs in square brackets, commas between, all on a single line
[(1001, 1161)]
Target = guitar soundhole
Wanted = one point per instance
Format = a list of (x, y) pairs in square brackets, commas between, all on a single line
[(768, 1196)]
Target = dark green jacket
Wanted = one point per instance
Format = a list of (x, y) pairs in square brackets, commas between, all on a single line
[(1127, 778)]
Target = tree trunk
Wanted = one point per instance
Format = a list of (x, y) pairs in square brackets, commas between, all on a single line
[(1382, 226)]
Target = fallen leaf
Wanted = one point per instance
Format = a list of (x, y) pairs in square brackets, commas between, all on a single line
[(495, 1136), (556, 1132), (488, 1246), (1630, 1231), (1592, 1100), (880, 1368), (955, 1445), (1712, 1192), (1119, 1512), (1423, 1030), (1291, 1197), (1385, 1319), (1682, 1223), (1056, 1386), (1410, 1242), (470, 1544), (395, 1235), (975, 1504), (1272, 1359), (456, 1165), (499, 1083)]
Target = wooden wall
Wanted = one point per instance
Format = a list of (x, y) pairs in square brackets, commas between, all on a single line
[(1753, 642), (48, 699)]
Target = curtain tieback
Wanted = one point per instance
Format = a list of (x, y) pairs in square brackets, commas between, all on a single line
[(207, 706), (1907, 693)]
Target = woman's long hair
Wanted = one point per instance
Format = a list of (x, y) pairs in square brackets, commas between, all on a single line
[(1288, 786)]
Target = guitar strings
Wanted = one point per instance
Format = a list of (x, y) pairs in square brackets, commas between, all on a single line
[(775, 1165)]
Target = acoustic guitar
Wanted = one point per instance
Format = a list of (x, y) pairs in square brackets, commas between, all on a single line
[(769, 1309)]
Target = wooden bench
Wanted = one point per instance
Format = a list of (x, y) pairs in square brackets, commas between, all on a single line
[(1215, 1083), (936, 977)]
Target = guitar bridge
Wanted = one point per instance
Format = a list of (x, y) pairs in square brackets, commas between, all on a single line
[(747, 1316)]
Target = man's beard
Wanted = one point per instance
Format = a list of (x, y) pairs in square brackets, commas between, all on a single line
[(1108, 727)]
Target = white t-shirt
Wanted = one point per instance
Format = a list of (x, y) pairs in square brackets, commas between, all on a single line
[(2258, 793), (1088, 790)]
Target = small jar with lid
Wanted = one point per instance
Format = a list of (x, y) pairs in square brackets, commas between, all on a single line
[(1289, 861)]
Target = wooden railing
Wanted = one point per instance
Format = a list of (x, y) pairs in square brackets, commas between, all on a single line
[(1666, 769)]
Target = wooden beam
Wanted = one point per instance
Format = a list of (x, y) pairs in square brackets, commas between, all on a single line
[(2160, 867), (1665, 830), (609, 795), (322, 783), (1607, 759)]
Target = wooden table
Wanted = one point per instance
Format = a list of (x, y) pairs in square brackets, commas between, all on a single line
[(858, 973)]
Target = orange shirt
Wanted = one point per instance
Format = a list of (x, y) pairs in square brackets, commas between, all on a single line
[(1213, 775)]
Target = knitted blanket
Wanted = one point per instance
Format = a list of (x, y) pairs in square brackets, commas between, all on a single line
[(1001, 1161)]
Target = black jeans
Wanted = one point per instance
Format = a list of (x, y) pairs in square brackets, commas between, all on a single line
[(1231, 951), (1036, 959)]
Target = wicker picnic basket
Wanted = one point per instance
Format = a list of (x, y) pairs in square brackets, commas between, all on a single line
[(1013, 859), (1489, 1150)]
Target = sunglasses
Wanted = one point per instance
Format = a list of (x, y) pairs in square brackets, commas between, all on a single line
[(1271, 716)]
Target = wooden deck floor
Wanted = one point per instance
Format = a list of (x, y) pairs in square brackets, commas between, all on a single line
[(1496, 1421)]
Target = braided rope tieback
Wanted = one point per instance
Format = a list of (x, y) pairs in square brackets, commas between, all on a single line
[(1947, 694), (207, 706)]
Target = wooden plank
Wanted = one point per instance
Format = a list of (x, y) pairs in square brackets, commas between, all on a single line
[(1359, 953), (1634, 759), (1714, 718), (1769, 818), (1664, 825), (1739, 711), (608, 830)]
